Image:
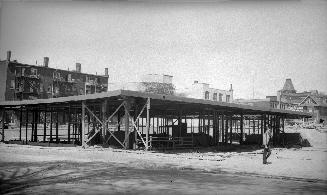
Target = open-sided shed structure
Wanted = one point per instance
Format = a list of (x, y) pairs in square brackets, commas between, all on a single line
[(131, 119)]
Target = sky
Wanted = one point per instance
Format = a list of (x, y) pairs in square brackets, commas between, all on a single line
[(254, 45)]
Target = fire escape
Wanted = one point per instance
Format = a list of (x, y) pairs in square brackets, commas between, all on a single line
[(27, 86), (63, 85)]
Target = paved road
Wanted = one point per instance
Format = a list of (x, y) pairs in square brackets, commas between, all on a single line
[(101, 178)]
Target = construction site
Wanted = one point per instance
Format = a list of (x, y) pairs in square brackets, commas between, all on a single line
[(132, 120)]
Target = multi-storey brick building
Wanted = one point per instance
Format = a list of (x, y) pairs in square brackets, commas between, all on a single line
[(23, 81)]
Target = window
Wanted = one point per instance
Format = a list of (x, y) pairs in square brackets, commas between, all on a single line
[(23, 71), (206, 95), (220, 97), (56, 75), (34, 71), (69, 77), (227, 98), (12, 84), (215, 96), (41, 88)]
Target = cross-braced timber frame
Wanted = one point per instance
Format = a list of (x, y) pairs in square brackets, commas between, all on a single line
[(130, 119)]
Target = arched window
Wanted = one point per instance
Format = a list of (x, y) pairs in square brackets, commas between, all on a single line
[(206, 95), (215, 96), (227, 98), (220, 97)]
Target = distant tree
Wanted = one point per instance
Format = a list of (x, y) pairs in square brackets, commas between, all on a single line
[(159, 88)]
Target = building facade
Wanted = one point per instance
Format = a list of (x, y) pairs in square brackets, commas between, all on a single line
[(150, 83), (289, 99), (308, 101), (22, 81), (204, 91)]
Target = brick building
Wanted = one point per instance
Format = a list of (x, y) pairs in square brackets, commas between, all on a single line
[(23, 81)]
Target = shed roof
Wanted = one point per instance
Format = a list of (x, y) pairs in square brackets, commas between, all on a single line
[(161, 101)]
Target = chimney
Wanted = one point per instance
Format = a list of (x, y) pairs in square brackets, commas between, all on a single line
[(46, 61), (106, 72), (78, 67), (196, 81), (8, 55)]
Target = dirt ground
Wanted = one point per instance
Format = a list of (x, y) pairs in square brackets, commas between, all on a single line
[(96, 170)]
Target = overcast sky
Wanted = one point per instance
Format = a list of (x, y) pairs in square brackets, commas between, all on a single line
[(218, 42)]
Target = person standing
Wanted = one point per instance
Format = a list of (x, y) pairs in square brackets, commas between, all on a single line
[(266, 138)]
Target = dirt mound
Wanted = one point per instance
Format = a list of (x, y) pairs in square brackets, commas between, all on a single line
[(316, 137)]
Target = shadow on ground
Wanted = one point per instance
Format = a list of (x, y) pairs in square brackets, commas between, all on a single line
[(66, 177)]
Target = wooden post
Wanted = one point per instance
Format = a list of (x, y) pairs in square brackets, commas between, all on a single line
[(126, 117), (136, 111), (179, 122), (20, 123), (218, 134), (3, 125), (118, 120), (147, 124), (231, 130), (209, 120), (214, 127), (45, 124), (222, 129), (104, 118), (158, 131), (264, 126), (83, 123), (261, 128), (36, 124), (51, 123), (241, 129), (69, 120), (26, 125), (57, 126), (33, 120), (226, 130)]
